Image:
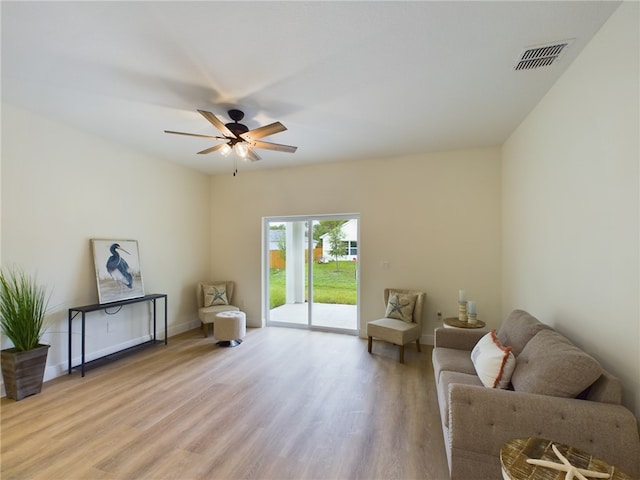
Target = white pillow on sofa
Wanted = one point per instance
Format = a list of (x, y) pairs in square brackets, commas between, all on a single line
[(494, 363)]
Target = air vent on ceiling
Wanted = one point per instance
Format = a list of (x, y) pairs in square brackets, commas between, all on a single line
[(540, 55)]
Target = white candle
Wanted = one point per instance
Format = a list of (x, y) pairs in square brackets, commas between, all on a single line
[(471, 307), (462, 296)]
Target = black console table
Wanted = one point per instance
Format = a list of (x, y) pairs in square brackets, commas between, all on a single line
[(73, 312)]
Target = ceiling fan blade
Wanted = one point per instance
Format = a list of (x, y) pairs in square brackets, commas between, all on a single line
[(195, 135), (252, 155), (273, 146), (217, 123), (265, 131), (212, 149)]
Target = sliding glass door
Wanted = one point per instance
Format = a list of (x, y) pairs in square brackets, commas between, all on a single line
[(311, 257), (287, 279)]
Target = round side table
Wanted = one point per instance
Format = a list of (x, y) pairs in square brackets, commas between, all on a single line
[(453, 322), (514, 455)]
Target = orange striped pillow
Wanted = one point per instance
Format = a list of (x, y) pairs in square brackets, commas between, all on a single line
[(494, 363)]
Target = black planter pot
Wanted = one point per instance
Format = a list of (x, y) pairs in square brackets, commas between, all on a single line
[(23, 372)]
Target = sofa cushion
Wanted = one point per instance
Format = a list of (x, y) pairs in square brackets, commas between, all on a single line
[(446, 379), (607, 389), (494, 363), (518, 329), (551, 365), (400, 306), (452, 360)]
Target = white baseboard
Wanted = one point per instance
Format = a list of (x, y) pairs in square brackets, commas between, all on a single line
[(53, 371), (426, 339), (183, 327)]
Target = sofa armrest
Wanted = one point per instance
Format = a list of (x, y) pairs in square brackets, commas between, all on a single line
[(482, 419), (457, 338)]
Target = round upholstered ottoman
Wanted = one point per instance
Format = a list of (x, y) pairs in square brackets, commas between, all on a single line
[(229, 328), (208, 315)]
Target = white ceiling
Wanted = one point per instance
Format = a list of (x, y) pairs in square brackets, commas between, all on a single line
[(351, 80)]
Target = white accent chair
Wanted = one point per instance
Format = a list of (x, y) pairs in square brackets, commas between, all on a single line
[(393, 330), (207, 314)]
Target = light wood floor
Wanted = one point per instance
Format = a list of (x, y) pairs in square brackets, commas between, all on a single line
[(286, 404)]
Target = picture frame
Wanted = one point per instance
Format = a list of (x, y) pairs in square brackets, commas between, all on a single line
[(117, 267)]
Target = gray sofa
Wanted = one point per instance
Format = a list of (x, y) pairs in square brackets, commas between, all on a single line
[(552, 395)]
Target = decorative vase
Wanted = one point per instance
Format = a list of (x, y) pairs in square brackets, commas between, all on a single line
[(23, 372)]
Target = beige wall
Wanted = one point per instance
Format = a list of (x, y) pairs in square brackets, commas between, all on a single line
[(435, 218), (570, 204), (549, 223), (61, 187)]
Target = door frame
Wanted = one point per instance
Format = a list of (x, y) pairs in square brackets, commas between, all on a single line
[(265, 307)]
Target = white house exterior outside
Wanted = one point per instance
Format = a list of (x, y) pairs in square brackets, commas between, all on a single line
[(350, 230)]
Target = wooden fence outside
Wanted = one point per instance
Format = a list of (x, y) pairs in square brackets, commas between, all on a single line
[(276, 260)]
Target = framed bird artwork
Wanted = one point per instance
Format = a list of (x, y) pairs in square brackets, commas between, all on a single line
[(118, 272)]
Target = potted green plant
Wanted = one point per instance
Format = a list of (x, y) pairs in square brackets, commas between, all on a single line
[(23, 304)]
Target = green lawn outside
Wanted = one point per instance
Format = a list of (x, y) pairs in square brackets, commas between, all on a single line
[(329, 285)]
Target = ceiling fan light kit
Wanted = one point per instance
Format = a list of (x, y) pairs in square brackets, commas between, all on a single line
[(225, 150), (241, 149), (239, 138)]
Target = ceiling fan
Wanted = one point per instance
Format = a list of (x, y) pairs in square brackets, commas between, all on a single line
[(239, 138)]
